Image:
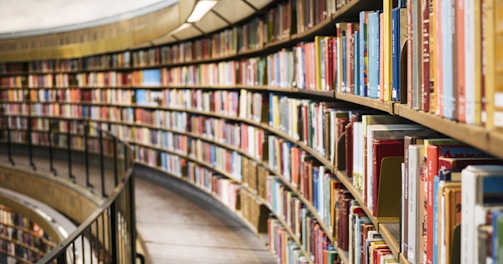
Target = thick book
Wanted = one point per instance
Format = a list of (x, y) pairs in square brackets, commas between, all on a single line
[(382, 131), (434, 150), (382, 148), (481, 188)]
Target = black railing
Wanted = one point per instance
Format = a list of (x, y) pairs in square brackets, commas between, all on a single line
[(92, 158)]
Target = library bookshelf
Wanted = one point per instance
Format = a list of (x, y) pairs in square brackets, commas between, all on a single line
[(280, 123)]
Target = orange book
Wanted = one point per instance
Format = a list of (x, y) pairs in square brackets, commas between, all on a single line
[(460, 42)]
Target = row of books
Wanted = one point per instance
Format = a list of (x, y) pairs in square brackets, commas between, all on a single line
[(220, 158), (308, 65), (21, 237), (279, 22), (440, 71), (443, 175)]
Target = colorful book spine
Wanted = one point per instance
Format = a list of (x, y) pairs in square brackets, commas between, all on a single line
[(373, 46), (363, 53)]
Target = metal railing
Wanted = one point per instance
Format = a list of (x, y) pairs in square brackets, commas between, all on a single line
[(90, 157)]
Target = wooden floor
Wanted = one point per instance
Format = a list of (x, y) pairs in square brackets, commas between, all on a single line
[(178, 229), (181, 225)]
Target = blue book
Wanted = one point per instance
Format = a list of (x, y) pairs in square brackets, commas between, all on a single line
[(373, 41), (357, 63), (141, 96), (315, 186), (151, 77), (363, 54), (436, 182), (447, 63)]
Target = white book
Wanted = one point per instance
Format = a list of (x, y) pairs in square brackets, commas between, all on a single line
[(477, 181)]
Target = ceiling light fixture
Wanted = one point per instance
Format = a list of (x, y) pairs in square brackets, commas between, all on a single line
[(201, 9)]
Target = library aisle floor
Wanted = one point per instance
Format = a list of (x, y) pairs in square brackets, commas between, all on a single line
[(177, 229), (179, 224)]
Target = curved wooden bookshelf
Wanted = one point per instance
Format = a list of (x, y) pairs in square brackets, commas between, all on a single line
[(479, 137)]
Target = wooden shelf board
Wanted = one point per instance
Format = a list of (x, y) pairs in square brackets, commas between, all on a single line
[(278, 43), (318, 93), (353, 7), (311, 31), (251, 52), (316, 155), (365, 101), (472, 135), (495, 143), (391, 234), (341, 175)]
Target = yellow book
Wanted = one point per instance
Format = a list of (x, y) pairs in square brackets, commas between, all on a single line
[(489, 52), (493, 116), (433, 59), (387, 5), (317, 60)]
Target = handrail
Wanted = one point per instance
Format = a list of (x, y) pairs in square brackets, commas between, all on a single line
[(108, 233)]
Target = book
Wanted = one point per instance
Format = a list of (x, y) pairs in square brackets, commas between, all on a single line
[(481, 188), (382, 148)]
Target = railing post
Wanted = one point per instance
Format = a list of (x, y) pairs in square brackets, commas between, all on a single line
[(126, 156), (30, 143), (9, 146), (51, 158), (132, 218), (86, 154), (102, 164), (62, 258), (116, 172), (113, 228), (69, 148)]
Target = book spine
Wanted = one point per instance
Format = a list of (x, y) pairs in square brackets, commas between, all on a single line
[(363, 53), (425, 7), (447, 63), (410, 67), (460, 65), (495, 98), (356, 62), (387, 61), (472, 61), (373, 45), (395, 54)]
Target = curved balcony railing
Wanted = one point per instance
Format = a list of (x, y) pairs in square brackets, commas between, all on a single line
[(91, 158)]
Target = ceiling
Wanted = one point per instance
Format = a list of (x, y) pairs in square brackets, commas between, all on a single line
[(42, 29), (35, 17)]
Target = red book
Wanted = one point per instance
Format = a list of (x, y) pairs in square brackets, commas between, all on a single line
[(383, 148), (434, 150), (349, 149), (379, 253)]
